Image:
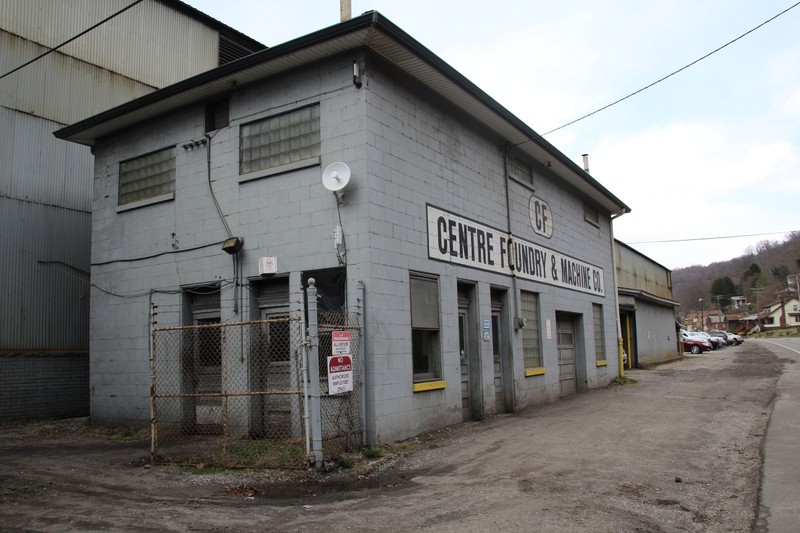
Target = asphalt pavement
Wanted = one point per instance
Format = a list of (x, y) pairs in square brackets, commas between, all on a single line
[(779, 508)]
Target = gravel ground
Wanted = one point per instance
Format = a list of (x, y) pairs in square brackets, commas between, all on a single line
[(679, 450)]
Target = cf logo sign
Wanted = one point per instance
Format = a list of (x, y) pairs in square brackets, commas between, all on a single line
[(541, 217)]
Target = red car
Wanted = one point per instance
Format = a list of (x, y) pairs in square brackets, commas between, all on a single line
[(695, 344)]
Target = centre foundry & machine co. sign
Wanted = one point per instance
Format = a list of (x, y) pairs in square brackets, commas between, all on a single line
[(459, 240)]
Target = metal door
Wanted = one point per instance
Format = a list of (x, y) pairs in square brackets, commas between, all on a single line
[(466, 406), (565, 332), (497, 351)]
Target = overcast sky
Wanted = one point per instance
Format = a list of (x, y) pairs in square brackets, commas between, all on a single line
[(713, 151)]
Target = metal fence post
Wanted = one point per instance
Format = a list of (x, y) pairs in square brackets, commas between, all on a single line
[(314, 399)]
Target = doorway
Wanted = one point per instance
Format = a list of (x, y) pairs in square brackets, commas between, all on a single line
[(471, 397), (565, 335), (502, 366)]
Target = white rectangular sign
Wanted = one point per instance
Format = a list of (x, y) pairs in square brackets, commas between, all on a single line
[(340, 342), (340, 374), (456, 239)]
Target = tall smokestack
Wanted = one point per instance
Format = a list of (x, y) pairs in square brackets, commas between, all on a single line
[(344, 9), (586, 162)]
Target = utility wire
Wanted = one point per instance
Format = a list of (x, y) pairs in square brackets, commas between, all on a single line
[(81, 34), (714, 238), (675, 72)]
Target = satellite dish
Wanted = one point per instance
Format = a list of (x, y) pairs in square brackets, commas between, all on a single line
[(335, 176)]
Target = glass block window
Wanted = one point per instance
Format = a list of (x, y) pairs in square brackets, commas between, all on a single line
[(599, 337), (279, 140), (147, 176), (531, 351)]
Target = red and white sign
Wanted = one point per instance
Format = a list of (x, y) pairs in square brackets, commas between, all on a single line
[(340, 373), (340, 343)]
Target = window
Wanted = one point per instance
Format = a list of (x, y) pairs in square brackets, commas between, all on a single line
[(147, 176), (217, 115), (280, 140), (520, 170), (425, 327), (599, 334), (591, 214), (532, 354)]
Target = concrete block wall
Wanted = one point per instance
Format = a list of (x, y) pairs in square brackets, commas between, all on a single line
[(423, 153), (168, 245), (406, 149)]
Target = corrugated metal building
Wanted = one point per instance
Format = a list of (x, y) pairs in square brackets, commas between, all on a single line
[(646, 308), (484, 253), (46, 184)]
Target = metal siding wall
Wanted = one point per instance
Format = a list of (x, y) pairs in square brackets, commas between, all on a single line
[(35, 166), (45, 304), (636, 271), (655, 333), (150, 42)]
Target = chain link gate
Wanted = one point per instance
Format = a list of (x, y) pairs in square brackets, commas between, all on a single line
[(242, 395)]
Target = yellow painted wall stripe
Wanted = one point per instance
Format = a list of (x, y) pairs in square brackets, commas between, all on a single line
[(429, 385), (534, 372)]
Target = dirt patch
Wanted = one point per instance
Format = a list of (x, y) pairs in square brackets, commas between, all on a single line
[(679, 450)]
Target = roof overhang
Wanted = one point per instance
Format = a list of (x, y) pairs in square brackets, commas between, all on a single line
[(370, 31), (647, 297)]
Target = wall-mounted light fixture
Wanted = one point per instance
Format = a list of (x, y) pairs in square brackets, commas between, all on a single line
[(356, 75), (233, 245)]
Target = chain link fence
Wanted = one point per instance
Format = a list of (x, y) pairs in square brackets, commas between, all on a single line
[(342, 424), (237, 394), (229, 394)]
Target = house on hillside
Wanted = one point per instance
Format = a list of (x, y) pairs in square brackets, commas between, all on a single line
[(478, 257), (646, 308), (46, 184), (781, 314)]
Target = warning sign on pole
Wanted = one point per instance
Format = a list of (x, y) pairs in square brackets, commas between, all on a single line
[(340, 374), (340, 342)]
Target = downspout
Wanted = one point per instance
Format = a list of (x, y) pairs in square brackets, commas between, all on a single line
[(515, 317), (620, 349)]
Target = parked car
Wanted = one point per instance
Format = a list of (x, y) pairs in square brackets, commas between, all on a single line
[(733, 338), (695, 343), (721, 335), (716, 342)]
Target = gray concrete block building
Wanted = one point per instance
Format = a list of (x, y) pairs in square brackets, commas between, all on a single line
[(486, 255)]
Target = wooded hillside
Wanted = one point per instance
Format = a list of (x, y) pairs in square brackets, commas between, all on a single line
[(759, 275)]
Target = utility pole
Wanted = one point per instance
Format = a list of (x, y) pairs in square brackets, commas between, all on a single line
[(702, 316)]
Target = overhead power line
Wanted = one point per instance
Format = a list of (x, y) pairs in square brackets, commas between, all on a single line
[(675, 72), (81, 34), (714, 238)]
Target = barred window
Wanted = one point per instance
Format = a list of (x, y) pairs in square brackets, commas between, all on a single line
[(599, 334), (147, 176), (279, 140), (532, 354)]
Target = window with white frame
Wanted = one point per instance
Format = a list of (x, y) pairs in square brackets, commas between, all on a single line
[(147, 176), (599, 334), (529, 308), (425, 327), (280, 140)]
